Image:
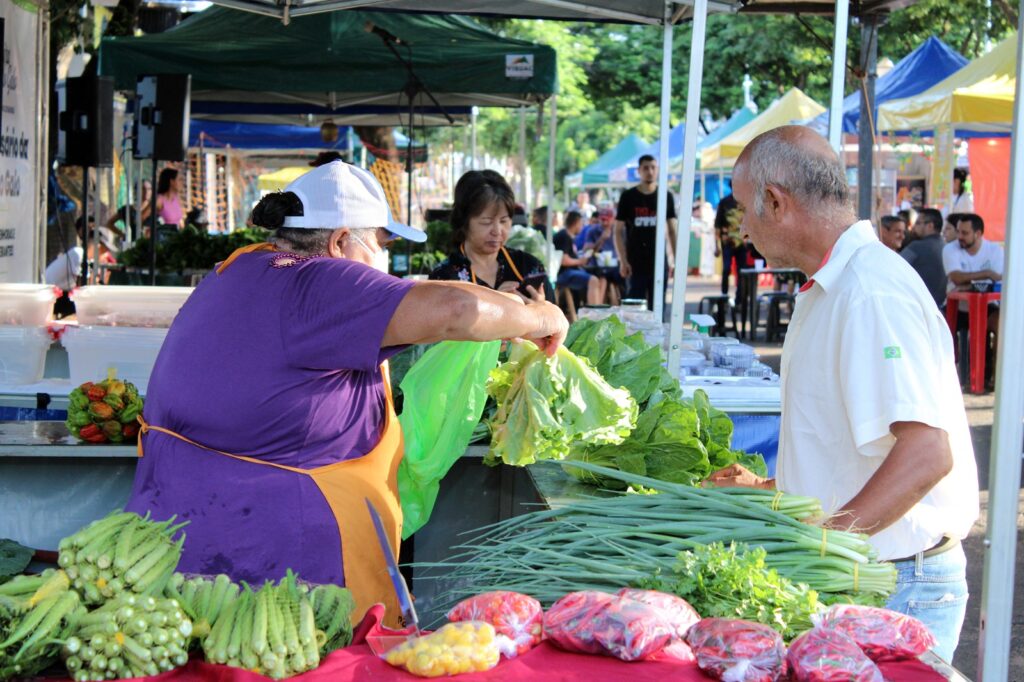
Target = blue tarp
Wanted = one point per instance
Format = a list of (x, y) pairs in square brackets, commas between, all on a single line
[(220, 134), (260, 136), (930, 63)]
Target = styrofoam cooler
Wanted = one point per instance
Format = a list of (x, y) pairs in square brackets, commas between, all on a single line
[(26, 305), (23, 354), (129, 306), (130, 351)]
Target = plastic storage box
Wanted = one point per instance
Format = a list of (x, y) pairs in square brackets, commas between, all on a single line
[(691, 362), (23, 354), (130, 351), (735, 357), (27, 305), (129, 306)]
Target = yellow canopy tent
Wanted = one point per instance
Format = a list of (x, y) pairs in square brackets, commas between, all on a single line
[(977, 98), (791, 107), (279, 179)]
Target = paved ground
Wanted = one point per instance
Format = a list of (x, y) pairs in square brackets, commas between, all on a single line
[(979, 415)]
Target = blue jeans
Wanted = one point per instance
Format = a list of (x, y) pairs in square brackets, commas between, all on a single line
[(934, 590)]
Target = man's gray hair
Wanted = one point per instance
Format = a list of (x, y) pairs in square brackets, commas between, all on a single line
[(808, 175), (309, 241)]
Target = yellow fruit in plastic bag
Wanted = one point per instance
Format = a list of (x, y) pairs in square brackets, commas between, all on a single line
[(454, 649)]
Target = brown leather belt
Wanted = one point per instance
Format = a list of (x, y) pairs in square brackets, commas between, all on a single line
[(946, 543)]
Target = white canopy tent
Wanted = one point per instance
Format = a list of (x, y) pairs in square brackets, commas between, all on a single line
[(1009, 429)]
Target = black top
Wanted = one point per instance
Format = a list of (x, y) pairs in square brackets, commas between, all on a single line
[(458, 268), (564, 242), (639, 212), (925, 256)]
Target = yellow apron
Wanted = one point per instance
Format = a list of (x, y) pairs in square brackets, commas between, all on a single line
[(345, 485)]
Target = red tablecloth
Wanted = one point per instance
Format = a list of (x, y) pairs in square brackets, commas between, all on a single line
[(544, 664)]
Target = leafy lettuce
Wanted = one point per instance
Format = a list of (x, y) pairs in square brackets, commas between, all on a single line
[(676, 439), (546, 405)]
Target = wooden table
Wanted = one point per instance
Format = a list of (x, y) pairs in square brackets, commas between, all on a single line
[(747, 293), (977, 328)]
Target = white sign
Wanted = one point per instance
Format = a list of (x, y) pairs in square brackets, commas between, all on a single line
[(19, 204), (519, 66)]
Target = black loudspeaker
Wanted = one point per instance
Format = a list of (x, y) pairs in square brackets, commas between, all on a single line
[(85, 123), (161, 117)]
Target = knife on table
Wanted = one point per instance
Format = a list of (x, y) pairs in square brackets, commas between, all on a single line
[(397, 581)]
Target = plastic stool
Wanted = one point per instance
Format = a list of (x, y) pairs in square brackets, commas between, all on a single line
[(717, 306)]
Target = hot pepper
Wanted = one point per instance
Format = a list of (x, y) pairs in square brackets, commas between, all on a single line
[(101, 410), (96, 393), (114, 401), (130, 430), (112, 430), (92, 433)]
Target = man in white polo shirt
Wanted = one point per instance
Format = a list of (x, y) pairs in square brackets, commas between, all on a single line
[(873, 421)]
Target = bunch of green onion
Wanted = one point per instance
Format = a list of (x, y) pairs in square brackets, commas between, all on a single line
[(608, 543)]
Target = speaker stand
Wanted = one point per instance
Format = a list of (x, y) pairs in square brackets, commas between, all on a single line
[(153, 234), (83, 277)]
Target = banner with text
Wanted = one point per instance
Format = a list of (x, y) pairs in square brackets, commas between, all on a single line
[(18, 201)]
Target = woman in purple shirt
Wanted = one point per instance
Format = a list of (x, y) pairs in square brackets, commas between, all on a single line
[(269, 418)]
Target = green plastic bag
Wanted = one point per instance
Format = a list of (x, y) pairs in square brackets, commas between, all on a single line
[(444, 400)]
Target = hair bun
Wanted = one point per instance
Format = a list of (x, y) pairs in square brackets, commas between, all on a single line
[(272, 209)]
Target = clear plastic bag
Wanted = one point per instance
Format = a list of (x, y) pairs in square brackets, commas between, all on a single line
[(738, 650), (599, 623), (516, 617), (454, 649), (880, 633), (677, 611), (830, 656)]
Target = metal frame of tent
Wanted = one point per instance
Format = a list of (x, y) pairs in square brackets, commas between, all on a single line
[(1006, 452)]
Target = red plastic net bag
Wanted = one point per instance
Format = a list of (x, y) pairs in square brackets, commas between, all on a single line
[(880, 633), (677, 611), (599, 623), (517, 617), (738, 650), (830, 656)]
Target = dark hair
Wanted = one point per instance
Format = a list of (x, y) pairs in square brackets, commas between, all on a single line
[(644, 159), (955, 218), (541, 213), (167, 176), (571, 217), (932, 217), (889, 220), (727, 203), (961, 175), (474, 192), (270, 213), (325, 157), (977, 224)]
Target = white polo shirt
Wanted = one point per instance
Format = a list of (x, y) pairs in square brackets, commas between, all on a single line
[(866, 348)]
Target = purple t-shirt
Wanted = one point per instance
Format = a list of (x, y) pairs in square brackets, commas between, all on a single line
[(279, 363)]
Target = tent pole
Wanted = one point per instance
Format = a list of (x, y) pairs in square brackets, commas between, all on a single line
[(865, 162), (665, 128), (552, 134), (700, 21), (835, 112), (523, 198), (1007, 429), (472, 139)]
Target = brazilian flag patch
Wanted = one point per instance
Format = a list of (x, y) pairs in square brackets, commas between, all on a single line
[(892, 352)]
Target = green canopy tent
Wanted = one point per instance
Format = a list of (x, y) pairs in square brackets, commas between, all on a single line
[(599, 172), (253, 68)]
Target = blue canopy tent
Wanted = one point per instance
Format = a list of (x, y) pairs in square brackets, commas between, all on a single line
[(627, 151), (264, 137), (930, 63)]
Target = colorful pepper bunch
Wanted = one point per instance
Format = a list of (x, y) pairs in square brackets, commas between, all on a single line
[(104, 412), (454, 649)]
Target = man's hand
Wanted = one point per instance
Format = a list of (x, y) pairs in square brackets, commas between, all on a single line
[(625, 269), (736, 476), (553, 326)]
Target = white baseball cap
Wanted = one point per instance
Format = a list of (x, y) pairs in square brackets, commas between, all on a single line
[(338, 194)]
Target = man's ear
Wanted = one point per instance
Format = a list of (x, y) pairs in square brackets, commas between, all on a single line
[(776, 202)]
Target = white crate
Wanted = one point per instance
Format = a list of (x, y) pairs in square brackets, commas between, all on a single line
[(130, 351), (23, 354), (129, 306), (26, 305)]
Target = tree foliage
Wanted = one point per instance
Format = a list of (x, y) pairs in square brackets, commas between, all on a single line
[(610, 74)]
